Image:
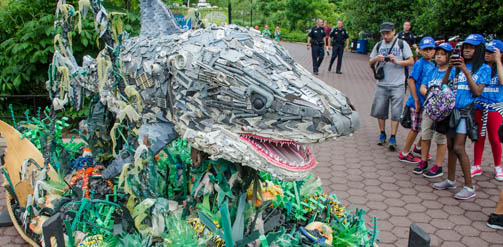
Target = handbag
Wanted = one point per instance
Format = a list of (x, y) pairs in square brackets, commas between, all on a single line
[(405, 118), (378, 67)]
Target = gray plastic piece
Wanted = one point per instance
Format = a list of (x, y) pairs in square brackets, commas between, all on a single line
[(418, 237)]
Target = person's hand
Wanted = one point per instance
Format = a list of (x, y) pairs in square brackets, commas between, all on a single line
[(392, 58), (459, 63), (346, 48), (380, 58), (416, 104), (497, 52), (308, 46), (417, 51)]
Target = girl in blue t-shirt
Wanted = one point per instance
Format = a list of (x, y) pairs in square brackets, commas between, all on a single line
[(442, 54), (491, 96), (469, 77)]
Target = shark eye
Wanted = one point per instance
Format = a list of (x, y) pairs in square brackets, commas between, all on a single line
[(258, 103)]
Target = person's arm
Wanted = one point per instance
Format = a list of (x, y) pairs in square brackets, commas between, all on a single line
[(474, 87), (445, 80), (308, 42), (347, 43), (413, 92), (423, 90), (375, 56), (499, 65), (407, 62)]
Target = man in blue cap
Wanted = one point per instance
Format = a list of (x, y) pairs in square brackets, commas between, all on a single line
[(418, 74), (389, 55)]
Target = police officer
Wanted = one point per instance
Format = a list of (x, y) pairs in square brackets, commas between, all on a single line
[(338, 37), (316, 41), (410, 38)]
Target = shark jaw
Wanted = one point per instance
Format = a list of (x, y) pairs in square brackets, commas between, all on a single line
[(288, 155)]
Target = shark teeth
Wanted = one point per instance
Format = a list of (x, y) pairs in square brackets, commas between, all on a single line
[(283, 153)]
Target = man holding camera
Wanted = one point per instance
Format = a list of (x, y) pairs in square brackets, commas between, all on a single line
[(316, 40), (388, 59)]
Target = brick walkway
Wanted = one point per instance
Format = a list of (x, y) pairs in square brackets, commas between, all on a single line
[(364, 175)]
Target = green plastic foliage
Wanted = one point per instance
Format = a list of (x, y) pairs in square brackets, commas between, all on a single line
[(180, 233), (38, 131)]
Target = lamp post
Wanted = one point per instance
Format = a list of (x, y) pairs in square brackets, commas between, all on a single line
[(229, 11), (251, 13)]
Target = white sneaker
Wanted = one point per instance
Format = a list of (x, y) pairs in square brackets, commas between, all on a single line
[(498, 170), (475, 171)]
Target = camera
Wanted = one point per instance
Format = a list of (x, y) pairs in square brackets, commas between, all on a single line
[(387, 59), (456, 52)]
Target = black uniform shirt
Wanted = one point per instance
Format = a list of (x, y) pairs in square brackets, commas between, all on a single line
[(317, 34), (409, 37), (339, 36)]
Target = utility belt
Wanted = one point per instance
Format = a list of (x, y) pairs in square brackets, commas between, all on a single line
[(337, 42), (317, 43)]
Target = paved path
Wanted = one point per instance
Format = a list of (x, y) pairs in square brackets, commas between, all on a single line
[(364, 175)]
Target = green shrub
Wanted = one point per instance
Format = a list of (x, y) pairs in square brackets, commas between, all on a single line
[(294, 36)]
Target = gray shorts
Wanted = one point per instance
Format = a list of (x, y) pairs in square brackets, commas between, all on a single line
[(427, 133), (383, 97)]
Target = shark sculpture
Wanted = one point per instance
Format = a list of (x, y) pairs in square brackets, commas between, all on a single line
[(228, 91)]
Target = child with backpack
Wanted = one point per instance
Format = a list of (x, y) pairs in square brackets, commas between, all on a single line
[(468, 78), (489, 107), (442, 54), (418, 74)]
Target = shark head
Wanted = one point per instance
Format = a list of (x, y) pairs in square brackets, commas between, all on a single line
[(241, 97)]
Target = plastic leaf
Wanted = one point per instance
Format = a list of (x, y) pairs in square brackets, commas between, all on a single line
[(239, 222), (226, 224)]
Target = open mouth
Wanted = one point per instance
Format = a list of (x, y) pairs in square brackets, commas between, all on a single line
[(286, 154)]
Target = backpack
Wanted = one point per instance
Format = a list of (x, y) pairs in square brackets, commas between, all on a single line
[(439, 103)]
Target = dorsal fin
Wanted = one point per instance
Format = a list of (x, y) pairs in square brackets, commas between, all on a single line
[(156, 19)]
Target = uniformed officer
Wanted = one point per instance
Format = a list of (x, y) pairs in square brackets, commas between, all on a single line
[(316, 41), (408, 36), (338, 37)]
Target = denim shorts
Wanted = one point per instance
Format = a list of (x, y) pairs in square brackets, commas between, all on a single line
[(386, 96), (461, 129)]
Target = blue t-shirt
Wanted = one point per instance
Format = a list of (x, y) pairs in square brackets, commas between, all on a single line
[(419, 73), (493, 92), (434, 78), (464, 96)]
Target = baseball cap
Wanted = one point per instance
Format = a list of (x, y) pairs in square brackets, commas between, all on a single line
[(427, 42), (444, 46), (493, 45), (475, 39), (387, 27)]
